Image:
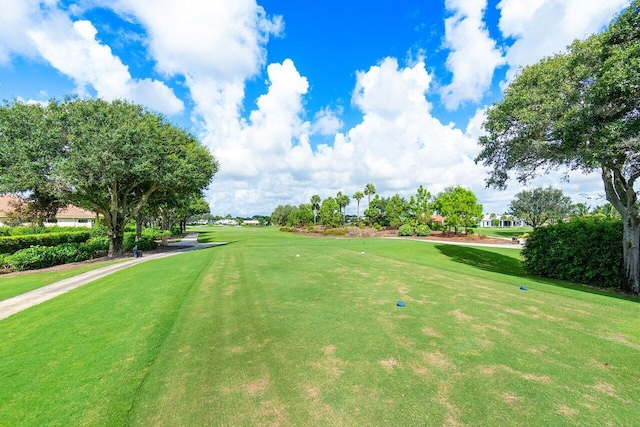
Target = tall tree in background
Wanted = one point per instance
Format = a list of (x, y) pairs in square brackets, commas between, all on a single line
[(315, 206), (420, 206), (107, 157), (369, 190), (581, 110), (330, 213), (343, 201), (357, 197), (459, 207), (540, 205)]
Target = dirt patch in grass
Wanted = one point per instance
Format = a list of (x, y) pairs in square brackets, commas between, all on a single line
[(493, 369), (430, 332), (258, 386), (438, 360), (566, 411), (607, 389), (510, 398), (329, 350), (460, 316), (389, 364)]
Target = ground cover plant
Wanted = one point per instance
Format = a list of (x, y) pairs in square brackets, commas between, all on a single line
[(281, 329)]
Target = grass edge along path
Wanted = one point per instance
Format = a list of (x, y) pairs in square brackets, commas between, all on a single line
[(80, 358), (19, 283)]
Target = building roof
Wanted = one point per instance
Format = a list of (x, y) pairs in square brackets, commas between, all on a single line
[(70, 211)]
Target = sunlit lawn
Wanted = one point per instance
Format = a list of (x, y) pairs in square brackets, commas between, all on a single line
[(19, 283), (504, 231), (278, 329)]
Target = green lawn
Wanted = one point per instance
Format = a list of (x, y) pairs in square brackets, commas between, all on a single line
[(504, 231), (278, 329), (16, 284)]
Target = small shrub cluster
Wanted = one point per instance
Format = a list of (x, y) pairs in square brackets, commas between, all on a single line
[(37, 257), (423, 230), (146, 243), (334, 232), (405, 230), (583, 250), (289, 229), (12, 244)]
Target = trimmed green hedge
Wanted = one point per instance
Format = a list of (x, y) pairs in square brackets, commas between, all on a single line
[(405, 230), (12, 244), (37, 257), (583, 250)]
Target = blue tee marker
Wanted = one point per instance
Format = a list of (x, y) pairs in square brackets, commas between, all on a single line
[(400, 304), (523, 288)]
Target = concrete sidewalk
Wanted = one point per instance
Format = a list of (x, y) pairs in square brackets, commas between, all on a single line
[(21, 302)]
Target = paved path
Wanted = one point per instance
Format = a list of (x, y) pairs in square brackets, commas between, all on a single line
[(21, 302)]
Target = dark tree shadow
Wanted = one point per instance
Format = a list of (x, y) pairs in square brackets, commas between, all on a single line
[(498, 263), (482, 259)]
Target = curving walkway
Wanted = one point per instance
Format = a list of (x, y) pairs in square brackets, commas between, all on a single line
[(18, 303)]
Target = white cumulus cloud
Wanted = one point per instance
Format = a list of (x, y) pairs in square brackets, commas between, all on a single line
[(473, 55)]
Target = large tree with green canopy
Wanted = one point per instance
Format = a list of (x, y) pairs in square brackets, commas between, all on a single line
[(578, 110), (107, 157)]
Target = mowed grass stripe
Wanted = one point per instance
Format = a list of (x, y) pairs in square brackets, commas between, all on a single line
[(252, 334), (80, 358), (281, 339)]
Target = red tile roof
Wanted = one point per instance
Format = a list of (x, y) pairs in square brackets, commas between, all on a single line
[(70, 211)]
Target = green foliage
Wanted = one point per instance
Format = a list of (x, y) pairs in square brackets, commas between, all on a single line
[(330, 213), (303, 215), (107, 157), (396, 211), (334, 232), (405, 230), (423, 230), (146, 243), (280, 214), (287, 229), (12, 244), (37, 257), (541, 205), (459, 207), (583, 250), (376, 212)]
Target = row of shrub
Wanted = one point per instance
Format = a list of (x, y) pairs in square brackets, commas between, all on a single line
[(12, 244), (21, 231), (418, 230), (583, 250), (37, 257)]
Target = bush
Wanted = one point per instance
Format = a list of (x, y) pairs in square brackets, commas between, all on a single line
[(334, 232), (405, 230), (12, 244), (423, 230), (37, 257), (584, 250), (145, 243), (289, 229)]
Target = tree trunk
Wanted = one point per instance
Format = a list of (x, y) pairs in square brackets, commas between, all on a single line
[(116, 238), (622, 196), (138, 227), (631, 250)]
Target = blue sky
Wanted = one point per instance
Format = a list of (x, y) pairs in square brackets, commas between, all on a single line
[(297, 98)]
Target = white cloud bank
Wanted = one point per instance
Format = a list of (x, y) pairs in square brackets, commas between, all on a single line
[(266, 156)]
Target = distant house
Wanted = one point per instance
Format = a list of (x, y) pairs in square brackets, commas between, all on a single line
[(70, 216), (437, 219), (251, 222), (501, 221), (226, 222)]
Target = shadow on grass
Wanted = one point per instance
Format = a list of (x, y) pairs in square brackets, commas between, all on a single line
[(482, 259), (498, 263)]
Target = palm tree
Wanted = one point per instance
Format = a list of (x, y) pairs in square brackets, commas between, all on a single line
[(315, 206), (358, 196), (369, 190), (343, 200)]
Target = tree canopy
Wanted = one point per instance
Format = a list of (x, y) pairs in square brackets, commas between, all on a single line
[(540, 205), (581, 110), (459, 206), (107, 157)]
